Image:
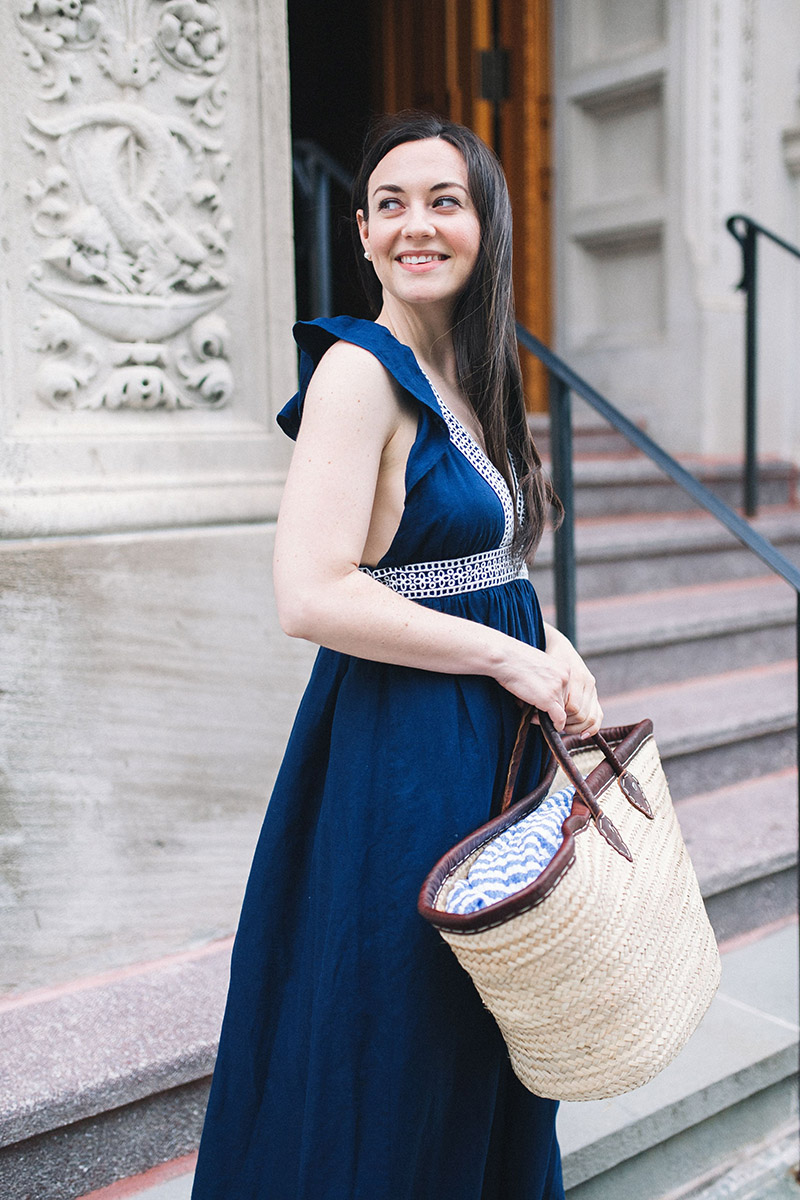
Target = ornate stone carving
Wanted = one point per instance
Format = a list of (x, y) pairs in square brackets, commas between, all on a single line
[(128, 203), (73, 365), (54, 30), (191, 35), (142, 373)]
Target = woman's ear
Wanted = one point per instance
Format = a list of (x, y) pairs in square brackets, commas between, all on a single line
[(363, 231)]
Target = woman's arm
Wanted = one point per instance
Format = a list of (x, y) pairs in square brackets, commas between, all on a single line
[(350, 417)]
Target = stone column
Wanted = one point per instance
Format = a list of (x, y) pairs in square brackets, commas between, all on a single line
[(145, 312)]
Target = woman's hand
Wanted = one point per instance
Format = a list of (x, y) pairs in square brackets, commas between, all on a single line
[(535, 677), (583, 712)]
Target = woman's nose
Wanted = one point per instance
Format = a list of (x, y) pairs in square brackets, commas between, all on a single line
[(418, 222)]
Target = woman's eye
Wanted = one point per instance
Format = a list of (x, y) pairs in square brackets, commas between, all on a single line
[(446, 201), (388, 205)]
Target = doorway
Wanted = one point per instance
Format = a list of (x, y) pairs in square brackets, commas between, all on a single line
[(485, 63)]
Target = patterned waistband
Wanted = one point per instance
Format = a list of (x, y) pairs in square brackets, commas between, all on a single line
[(451, 576)]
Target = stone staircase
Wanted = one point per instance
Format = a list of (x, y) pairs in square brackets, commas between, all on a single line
[(681, 624)]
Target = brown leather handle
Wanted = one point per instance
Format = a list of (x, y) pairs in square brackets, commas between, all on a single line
[(516, 754), (628, 782)]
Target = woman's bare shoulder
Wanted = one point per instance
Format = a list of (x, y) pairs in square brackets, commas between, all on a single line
[(348, 371)]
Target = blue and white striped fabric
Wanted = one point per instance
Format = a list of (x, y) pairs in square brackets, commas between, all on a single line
[(514, 858)]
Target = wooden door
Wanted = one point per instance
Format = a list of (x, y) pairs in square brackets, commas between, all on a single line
[(486, 64)]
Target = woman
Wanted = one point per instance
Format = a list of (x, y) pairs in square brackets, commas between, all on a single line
[(356, 1059)]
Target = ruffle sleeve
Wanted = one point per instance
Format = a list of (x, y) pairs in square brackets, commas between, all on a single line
[(315, 337)]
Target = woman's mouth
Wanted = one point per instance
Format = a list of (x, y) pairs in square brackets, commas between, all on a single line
[(421, 260)]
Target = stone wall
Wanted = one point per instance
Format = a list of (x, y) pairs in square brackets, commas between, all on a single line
[(145, 309), (146, 696)]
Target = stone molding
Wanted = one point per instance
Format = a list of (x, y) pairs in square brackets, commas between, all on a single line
[(790, 140)]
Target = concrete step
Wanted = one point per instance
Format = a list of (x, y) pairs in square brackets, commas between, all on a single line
[(743, 842), (734, 1083), (105, 1078), (766, 1170), (607, 485), (677, 633), (720, 729), (761, 1070), (624, 555)]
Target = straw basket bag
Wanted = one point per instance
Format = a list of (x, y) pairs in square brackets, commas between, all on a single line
[(598, 971)]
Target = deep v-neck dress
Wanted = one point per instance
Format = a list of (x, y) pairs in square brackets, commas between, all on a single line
[(356, 1060)]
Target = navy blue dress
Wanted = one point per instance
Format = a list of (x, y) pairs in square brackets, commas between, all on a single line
[(356, 1060)]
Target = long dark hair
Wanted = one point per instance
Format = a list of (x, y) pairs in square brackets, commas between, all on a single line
[(484, 326)]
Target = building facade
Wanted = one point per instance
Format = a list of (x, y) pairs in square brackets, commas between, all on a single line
[(148, 292)]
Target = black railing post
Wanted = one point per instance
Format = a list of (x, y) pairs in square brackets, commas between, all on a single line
[(315, 172), (746, 233), (750, 287), (561, 466)]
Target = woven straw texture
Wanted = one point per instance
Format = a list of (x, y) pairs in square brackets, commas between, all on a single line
[(599, 986)]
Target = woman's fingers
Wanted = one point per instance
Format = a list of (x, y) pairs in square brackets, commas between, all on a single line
[(584, 714), (537, 678), (584, 717), (582, 707), (557, 714), (549, 689), (586, 727)]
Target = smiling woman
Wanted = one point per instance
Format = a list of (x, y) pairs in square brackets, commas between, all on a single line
[(356, 1059), (416, 226)]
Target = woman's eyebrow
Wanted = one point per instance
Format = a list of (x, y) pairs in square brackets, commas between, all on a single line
[(437, 187)]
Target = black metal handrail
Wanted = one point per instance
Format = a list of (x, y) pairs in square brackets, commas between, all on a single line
[(747, 231), (564, 381), (314, 171)]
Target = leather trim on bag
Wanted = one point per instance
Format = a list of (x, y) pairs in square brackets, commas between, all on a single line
[(626, 741)]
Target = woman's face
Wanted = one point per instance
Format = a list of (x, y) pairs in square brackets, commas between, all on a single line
[(422, 230)]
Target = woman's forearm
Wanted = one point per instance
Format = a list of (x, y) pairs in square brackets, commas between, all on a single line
[(360, 616), (357, 615)]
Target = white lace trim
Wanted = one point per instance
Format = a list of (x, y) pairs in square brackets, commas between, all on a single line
[(455, 576), (463, 441), (451, 576)]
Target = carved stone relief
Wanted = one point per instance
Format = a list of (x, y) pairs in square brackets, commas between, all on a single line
[(126, 202)]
